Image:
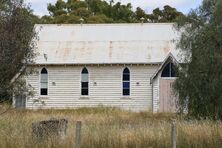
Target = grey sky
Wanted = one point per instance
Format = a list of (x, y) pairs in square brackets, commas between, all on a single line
[(40, 6)]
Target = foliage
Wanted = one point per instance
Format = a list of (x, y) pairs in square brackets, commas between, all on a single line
[(16, 44), (99, 11), (199, 84)]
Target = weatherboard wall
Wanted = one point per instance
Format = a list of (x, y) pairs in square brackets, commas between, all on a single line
[(105, 87)]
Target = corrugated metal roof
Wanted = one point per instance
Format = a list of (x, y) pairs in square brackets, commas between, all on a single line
[(105, 43)]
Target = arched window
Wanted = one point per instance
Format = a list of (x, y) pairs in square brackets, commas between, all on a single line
[(85, 82), (44, 82), (126, 82), (169, 71)]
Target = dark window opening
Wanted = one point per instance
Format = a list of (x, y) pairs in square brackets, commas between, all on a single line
[(44, 71), (84, 71), (126, 82), (85, 92), (169, 71), (126, 92), (126, 85), (44, 91), (44, 82), (126, 71), (126, 77), (85, 82)]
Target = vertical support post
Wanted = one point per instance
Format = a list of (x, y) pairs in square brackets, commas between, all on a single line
[(173, 134), (78, 134)]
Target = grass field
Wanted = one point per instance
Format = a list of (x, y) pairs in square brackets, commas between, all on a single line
[(110, 128)]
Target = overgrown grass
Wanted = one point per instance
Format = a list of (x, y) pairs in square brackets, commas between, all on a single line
[(109, 128)]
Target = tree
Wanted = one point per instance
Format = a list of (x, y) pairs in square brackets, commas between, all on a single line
[(140, 13), (122, 13), (199, 86), (98, 19), (157, 15), (100, 11), (170, 14), (16, 43), (58, 9)]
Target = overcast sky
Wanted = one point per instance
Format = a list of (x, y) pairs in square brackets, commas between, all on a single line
[(40, 6)]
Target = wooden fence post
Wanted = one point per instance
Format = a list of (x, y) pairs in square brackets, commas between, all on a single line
[(78, 134), (173, 134)]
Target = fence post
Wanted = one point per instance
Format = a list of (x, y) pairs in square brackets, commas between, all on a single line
[(78, 134), (173, 134)]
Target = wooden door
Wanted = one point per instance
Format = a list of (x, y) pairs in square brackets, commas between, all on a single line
[(20, 101), (167, 97)]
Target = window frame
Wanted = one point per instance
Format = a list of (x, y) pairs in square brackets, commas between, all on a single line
[(40, 83), (170, 71), (122, 81), (84, 96)]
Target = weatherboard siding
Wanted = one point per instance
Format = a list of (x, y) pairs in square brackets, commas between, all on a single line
[(105, 87), (156, 101)]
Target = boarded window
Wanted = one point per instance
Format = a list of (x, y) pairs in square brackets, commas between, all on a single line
[(169, 71), (126, 82), (85, 82), (44, 82)]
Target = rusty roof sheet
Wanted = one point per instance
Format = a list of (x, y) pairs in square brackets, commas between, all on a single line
[(105, 43)]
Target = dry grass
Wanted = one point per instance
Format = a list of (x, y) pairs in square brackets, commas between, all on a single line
[(109, 128)]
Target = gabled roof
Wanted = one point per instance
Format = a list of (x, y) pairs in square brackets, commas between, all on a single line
[(169, 58), (105, 43)]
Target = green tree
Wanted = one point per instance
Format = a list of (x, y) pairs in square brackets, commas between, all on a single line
[(100, 11), (157, 15), (199, 84), (58, 9), (16, 43), (98, 19), (140, 13), (73, 5), (170, 14), (122, 13)]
